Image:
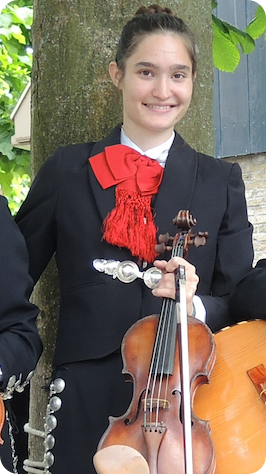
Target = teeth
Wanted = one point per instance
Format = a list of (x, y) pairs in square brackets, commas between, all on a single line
[(160, 107)]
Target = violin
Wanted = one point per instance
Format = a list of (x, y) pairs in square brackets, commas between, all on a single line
[(153, 425)]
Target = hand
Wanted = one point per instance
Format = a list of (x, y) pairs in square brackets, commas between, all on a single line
[(166, 286)]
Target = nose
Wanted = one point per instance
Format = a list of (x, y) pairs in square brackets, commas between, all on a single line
[(162, 88)]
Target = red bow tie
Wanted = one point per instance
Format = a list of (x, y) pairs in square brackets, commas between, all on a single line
[(137, 179)]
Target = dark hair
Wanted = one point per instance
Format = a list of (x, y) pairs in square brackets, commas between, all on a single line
[(148, 20)]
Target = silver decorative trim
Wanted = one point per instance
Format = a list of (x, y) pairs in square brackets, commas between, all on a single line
[(128, 271), (15, 385), (54, 404)]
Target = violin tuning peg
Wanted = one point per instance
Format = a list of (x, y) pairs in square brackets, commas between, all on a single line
[(164, 238), (200, 239), (160, 248)]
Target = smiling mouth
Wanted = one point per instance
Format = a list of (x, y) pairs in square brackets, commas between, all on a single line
[(159, 107)]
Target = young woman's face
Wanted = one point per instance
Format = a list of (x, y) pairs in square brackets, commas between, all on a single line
[(157, 87)]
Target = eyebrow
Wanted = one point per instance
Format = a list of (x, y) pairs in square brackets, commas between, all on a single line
[(152, 65)]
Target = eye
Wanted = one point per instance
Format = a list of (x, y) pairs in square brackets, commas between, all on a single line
[(178, 75), (146, 73)]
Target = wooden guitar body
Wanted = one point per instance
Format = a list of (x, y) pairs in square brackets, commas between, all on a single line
[(232, 403)]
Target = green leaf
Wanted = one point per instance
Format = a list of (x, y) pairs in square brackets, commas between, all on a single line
[(257, 26), (214, 4), (23, 159), (226, 55), (5, 182), (5, 19), (21, 15), (7, 150), (17, 34), (241, 38)]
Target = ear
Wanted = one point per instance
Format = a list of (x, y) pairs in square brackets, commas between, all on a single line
[(115, 74)]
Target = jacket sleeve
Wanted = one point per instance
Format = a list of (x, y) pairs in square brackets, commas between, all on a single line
[(248, 300), (234, 255), (35, 218), (20, 344)]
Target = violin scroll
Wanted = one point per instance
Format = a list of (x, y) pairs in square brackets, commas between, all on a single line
[(184, 220)]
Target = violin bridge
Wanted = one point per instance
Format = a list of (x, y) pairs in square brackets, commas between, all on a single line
[(155, 403)]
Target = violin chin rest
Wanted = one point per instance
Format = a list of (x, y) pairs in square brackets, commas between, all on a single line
[(120, 459)]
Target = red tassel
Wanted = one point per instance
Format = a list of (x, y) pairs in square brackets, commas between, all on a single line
[(130, 224)]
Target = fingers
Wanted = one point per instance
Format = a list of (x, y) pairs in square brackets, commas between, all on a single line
[(166, 287), (161, 264)]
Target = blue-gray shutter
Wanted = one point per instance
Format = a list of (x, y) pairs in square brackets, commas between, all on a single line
[(240, 97)]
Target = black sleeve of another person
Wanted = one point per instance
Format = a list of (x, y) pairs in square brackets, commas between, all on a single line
[(248, 300), (20, 344)]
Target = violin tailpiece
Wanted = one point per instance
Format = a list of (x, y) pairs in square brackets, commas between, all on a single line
[(258, 377)]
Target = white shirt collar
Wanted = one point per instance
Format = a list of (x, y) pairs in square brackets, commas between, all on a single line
[(158, 153)]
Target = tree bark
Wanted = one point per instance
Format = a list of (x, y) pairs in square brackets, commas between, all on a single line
[(73, 100)]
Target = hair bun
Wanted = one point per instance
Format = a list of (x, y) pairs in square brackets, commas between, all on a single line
[(155, 8)]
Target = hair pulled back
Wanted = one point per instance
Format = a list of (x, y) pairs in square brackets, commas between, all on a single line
[(148, 20)]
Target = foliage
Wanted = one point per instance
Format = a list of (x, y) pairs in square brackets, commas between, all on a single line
[(229, 42), (15, 67)]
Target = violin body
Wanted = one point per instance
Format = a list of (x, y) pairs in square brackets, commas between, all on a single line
[(158, 433)]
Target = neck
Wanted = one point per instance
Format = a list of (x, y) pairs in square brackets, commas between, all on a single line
[(150, 140)]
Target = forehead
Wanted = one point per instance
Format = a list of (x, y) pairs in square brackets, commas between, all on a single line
[(163, 47)]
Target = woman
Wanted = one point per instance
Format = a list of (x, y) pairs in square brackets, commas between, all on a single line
[(87, 202)]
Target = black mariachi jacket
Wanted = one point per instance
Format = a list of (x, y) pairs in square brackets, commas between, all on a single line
[(63, 214), (20, 344), (248, 301)]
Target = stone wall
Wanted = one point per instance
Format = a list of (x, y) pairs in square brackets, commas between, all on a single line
[(254, 175)]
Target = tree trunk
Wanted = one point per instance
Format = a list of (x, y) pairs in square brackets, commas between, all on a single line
[(74, 101)]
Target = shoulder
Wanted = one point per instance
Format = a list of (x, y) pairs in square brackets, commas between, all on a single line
[(75, 154), (206, 163), (219, 169), (218, 164), (63, 159), (4, 210), (8, 229), (6, 219), (11, 240)]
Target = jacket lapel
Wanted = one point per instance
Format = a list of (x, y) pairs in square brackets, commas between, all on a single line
[(105, 198), (177, 187)]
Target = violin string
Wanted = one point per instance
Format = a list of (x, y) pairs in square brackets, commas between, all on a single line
[(177, 250), (165, 318), (155, 361), (163, 336), (167, 324), (153, 370), (154, 366)]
